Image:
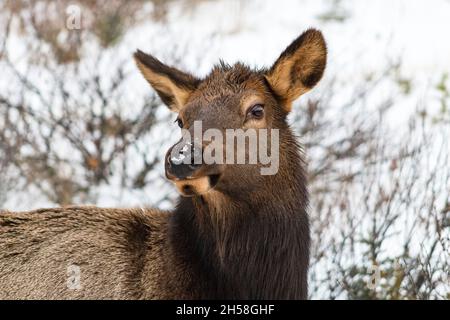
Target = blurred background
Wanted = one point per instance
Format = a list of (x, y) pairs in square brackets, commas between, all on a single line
[(79, 125)]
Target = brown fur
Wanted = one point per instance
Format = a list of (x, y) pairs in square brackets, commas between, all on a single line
[(299, 67), (246, 237)]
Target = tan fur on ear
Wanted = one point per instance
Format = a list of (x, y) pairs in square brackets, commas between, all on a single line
[(299, 67), (173, 86), (163, 84)]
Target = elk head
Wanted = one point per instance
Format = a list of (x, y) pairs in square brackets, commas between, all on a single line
[(238, 99)]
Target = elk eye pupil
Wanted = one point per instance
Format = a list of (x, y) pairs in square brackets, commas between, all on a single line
[(257, 111)]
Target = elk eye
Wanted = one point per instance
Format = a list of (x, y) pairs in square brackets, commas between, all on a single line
[(256, 112), (179, 122)]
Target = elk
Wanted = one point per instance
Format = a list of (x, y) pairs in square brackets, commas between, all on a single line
[(233, 234)]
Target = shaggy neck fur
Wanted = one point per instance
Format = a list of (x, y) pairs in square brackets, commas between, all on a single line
[(248, 245)]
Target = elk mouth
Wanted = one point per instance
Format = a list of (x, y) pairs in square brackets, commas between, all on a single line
[(190, 187)]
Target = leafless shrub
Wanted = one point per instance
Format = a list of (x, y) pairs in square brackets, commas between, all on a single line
[(66, 128), (105, 21), (379, 201), (78, 125)]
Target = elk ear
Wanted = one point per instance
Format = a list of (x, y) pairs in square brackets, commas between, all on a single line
[(172, 85), (299, 67)]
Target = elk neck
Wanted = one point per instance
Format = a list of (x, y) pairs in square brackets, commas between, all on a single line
[(246, 244)]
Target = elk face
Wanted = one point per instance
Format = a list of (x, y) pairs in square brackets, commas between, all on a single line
[(232, 104)]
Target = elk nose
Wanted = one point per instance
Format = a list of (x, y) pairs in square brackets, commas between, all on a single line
[(183, 160)]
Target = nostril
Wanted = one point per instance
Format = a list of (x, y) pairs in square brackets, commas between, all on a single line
[(184, 160), (187, 188)]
